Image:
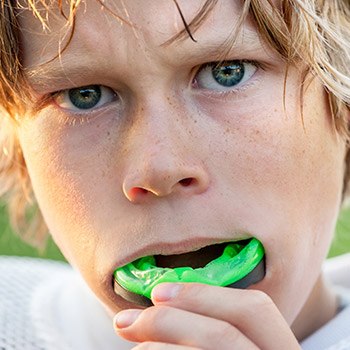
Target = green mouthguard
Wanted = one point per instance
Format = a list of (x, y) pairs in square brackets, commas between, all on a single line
[(236, 261)]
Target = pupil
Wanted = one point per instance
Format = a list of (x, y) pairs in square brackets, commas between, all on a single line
[(228, 75), (85, 97)]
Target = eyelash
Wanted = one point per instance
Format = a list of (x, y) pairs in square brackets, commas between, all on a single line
[(101, 90), (72, 117), (231, 90)]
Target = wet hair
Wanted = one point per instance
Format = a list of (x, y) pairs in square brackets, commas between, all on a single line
[(315, 32)]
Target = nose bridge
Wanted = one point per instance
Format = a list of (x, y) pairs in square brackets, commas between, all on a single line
[(166, 134), (157, 131), (162, 158)]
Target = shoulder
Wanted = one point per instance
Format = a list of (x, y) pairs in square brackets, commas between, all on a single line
[(20, 277), (27, 265), (46, 305), (335, 334), (332, 336), (337, 270)]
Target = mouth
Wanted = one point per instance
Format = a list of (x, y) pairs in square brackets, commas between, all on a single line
[(231, 264)]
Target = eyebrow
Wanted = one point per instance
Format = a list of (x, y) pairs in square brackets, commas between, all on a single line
[(67, 68), (246, 41), (53, 73)]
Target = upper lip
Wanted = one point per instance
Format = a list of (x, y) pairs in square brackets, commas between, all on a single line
[(174, 248)]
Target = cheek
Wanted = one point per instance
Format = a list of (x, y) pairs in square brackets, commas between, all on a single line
[(66, 164), (282, 178), (297, 195)]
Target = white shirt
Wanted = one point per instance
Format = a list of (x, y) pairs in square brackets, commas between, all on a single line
[(335, 335), (45, 305)]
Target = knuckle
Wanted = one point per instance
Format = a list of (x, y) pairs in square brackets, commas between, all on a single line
[(193, 294), (225, 331), (156, 315), (261, 300), (192, 289)]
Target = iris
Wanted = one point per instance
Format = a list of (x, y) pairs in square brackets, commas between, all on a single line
[(85, 97), (228, 74)]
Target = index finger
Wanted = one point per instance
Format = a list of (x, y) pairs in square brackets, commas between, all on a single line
[(251, 311)]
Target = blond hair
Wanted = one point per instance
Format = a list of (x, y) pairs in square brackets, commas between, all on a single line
[(316, 32)]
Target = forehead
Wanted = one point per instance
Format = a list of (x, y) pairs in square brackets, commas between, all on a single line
[(124, 27)]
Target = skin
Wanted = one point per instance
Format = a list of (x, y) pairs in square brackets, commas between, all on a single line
[(170, 167)]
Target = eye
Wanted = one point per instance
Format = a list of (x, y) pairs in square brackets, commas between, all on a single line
[(85, 98), (224, 76)]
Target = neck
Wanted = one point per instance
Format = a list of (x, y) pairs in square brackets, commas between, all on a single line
[(320, 307)]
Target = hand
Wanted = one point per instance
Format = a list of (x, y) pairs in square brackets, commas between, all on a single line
[(197, 316)]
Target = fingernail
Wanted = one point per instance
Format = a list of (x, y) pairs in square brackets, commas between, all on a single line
[(126, 318), (165, 291)]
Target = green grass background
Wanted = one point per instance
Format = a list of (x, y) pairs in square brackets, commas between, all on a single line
[(10, 244)]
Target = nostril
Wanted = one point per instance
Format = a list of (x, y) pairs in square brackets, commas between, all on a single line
[(187, 181), (137, 191)]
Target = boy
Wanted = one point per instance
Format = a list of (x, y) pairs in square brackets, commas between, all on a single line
[(141, 141)]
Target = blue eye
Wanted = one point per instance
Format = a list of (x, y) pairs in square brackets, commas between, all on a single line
[(224, 76), (85, 98), (229, 75)]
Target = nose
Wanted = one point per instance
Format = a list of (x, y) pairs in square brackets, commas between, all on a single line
[(163, 166), (156, 177)]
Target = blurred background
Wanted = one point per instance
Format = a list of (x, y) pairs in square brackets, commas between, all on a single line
[(10, 244)]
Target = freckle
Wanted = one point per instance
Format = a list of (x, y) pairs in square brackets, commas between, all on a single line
[(195, 121)]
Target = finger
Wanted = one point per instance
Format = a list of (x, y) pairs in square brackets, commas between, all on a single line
[(162, 346), (250, 311), (170, 325)]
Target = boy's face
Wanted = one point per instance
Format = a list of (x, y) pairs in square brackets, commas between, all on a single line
[(166, 158)]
